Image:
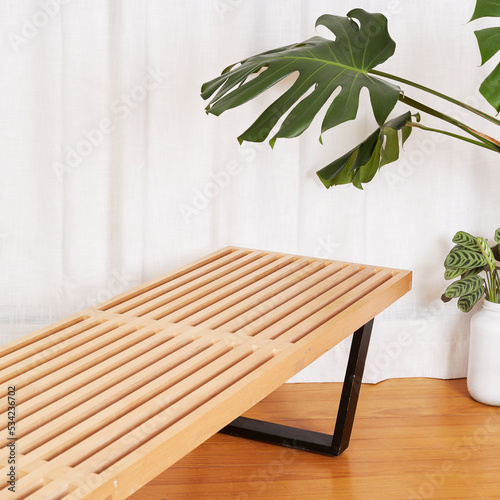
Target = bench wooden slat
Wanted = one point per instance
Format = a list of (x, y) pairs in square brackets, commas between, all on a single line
[(124, 433), (111, 396), (350, 302), (216, 318), (265, 287), (63, 354), (44, 344), (294, 299), (337, 298), (216, 290), (302, 284), (51, 387), (138, 404), (207, 264), (67, 325), (183, 283), (77, 398)]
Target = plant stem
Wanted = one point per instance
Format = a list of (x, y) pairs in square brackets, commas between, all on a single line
[(493, 143), (436, 93), (496, 284), (492, 286), (451, 134)]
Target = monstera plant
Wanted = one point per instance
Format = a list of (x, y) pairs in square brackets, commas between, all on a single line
[(467, 259), (348, 63)]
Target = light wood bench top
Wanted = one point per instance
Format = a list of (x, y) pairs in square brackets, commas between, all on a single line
[(110, 397)]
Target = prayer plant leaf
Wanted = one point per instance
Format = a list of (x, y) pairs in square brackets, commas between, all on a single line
[(465, 240), (464, 286), (452, 272), (497, 235), (361, 163), (323, 65), (487, 252), (470, 272), (488, 40), (467, 302), (464, 259)]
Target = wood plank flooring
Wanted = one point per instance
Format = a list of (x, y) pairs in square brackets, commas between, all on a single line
[(412, 439)]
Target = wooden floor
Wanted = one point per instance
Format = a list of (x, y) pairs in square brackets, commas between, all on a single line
[(412, 439)]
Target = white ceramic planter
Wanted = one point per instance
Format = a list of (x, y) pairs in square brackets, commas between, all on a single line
[(483, 374)]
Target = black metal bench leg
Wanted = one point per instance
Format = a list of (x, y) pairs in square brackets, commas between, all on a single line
[(316, 442)]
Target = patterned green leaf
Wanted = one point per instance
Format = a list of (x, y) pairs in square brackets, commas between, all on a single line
[(465, 240), (470, 272), (361, 43), (486, 251), (464, 286), (467, 302), (497, 235), (451, 273), (361, 163), (464, 259)]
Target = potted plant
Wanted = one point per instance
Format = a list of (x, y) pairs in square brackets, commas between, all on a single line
[(470, 258), (362, 42)]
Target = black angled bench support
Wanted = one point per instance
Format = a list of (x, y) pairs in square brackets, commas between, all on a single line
[(316, 442)]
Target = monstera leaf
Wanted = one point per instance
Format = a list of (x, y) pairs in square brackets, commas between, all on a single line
[(323, 66), (362, 162), (330, 74), (488, 40)]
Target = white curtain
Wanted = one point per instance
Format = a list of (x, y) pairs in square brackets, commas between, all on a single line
[(113, 174)]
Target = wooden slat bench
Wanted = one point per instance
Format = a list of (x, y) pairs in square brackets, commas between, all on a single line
[(110, 397)]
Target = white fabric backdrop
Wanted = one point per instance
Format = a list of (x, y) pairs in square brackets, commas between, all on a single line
[(108, 163)]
